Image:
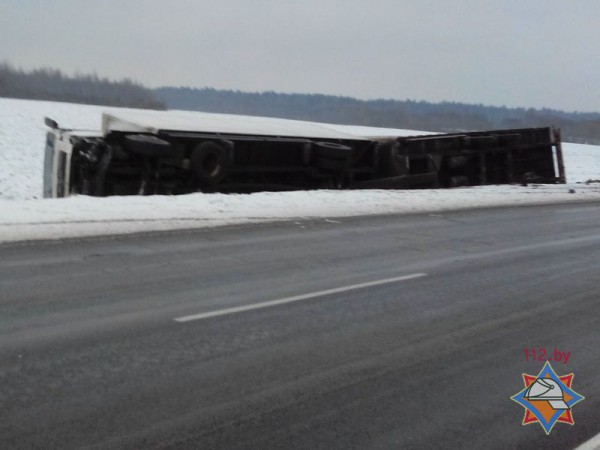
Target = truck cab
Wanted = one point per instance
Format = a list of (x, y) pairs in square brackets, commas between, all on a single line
[(57, 157)]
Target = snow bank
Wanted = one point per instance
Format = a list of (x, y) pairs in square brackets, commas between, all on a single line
[(88, 216), (25, 216), (582, 162)]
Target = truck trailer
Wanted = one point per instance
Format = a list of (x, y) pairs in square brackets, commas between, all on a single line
[(178, 152)]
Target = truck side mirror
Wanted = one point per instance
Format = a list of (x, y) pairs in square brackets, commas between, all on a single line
[(51, 123)]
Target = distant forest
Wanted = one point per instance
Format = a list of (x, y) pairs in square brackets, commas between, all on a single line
[(409, 114), (53, 85)]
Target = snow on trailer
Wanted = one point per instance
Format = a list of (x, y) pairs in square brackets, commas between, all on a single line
[(168, 122), (176, 152)]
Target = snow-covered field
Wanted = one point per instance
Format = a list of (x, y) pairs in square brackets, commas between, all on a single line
[(24, 215)]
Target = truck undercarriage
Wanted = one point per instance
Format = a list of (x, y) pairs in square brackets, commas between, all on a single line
[(139, 161)]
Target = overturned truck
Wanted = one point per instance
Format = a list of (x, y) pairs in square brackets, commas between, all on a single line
[(176, 152)]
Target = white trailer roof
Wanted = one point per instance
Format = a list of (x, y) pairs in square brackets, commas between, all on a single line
[(198, 122)]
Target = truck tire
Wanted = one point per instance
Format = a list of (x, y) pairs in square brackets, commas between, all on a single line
[(209, 163), (145, 145)]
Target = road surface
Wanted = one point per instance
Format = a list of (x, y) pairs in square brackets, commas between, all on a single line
[(373, 332)]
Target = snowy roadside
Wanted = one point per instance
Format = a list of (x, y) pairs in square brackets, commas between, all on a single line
[(86, 216), (25, 216)]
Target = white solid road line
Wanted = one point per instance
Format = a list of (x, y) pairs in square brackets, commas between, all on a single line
[(592, 444), (281, 301)]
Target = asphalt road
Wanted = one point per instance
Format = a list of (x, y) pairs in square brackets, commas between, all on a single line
[(91, 354)]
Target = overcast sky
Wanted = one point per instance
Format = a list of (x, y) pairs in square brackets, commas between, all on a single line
[(539, 53)]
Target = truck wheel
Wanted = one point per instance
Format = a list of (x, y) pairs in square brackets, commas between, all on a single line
[(209, 163), (145, 145)]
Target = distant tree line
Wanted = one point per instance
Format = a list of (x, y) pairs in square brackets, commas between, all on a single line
[(53, 85), (409, 114)]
